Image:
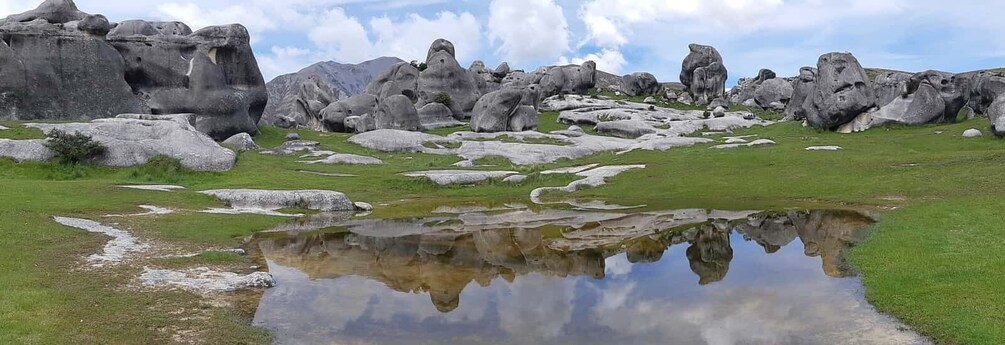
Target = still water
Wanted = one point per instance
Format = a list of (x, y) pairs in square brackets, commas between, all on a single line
[(517, 276)]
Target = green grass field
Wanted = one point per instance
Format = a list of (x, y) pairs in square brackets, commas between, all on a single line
[(935, 259)]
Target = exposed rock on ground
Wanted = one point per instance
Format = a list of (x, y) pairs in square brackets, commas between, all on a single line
[(972, 133), (151, 211), (115, 251), (460, 177), (77, 67), (640, 84), (351, 159), (824, 148), (33, 150), (272, 200), (133, 142), (594, 177), (206, 280), (241, 142), (758, 142), (154, 188)]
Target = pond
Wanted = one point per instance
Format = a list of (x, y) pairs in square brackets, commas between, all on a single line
[(521, 276)]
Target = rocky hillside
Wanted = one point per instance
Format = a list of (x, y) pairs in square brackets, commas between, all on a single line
[(346, 79)]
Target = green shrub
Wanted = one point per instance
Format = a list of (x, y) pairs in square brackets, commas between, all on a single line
[(74, 148), (443, 98)]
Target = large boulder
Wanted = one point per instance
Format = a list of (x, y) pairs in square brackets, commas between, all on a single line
[(396, 112), (400, 79), (570, 79), (445, 81), (314, 96), (436, 115), (703, 74), (841, 93), (494, 110), (640, 84), (56, 64), (996, 112), (801, 90), (984, 89), (333, 117), (133, 141), (928, 97), (773, 91), (890, 85)]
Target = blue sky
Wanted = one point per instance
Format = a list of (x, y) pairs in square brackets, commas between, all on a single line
[(623, 36)]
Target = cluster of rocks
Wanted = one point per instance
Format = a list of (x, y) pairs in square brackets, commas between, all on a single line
[(59, 63), (766, 91), (440, 93)]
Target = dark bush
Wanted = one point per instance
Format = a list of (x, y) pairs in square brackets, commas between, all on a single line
[(74, 148), (443, 98)]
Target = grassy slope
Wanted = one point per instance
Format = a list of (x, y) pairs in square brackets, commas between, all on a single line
[(932, 261)]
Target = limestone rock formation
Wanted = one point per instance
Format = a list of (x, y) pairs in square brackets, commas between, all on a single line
[(929, 97), (345, 80), (841, 93), (890, 85), (334, 116), (314, 96), (773, 91), (703, 74), (801, 90), (436, 115), (133, 141), (492, 113), (640, 84), (396, 112), (445, 78), (570, 79), (400, 79), (56, 68)]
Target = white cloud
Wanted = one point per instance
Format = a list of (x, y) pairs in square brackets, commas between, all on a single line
[(340, 36), (528, 29), (409, 38), (608, 60)]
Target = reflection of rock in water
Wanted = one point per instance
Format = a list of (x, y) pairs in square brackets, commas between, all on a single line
[(829, 235), (710, 255), (440, 264), (443, 255), (771, 231)]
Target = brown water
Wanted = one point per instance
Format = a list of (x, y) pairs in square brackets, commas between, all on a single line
[(515, 276)]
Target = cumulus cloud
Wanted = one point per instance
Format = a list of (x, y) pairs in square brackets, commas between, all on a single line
[(608, 60), (528, 29), (410, 37)]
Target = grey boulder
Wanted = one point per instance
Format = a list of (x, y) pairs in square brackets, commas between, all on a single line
[(802, 87), (436, 115), (396, 112), (640, 84), (493, 111), (320, 200), (133, 142), (400, 79), (241, 142), (445, 78), (929, 97), (773, 91), (841, 93), (703, 74), (333, 117)]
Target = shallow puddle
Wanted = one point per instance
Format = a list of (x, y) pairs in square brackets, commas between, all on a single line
[(519, 276)]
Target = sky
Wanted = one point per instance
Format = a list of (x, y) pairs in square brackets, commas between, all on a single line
[(622, 36)]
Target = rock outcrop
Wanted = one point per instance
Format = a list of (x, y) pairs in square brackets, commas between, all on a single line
[(396, 112), (334, 116), (773, 91), (841, 93), (134, 141), (345, 80), (640, 84), (59, 63), (493, 112), (445, 81), (400, 79), (802, 88), (703, 74)]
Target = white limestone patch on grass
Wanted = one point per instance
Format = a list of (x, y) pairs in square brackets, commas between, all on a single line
[(115, 251), (591, 178), (460, 177), (759, 142), (154, 187), (151, 211), (206, 280), (824, 148)]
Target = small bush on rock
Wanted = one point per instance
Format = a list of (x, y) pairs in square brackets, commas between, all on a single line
[(74, 148), (443, 98)]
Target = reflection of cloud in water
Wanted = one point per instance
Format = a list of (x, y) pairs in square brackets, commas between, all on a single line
[(617, 266), (621, 284)]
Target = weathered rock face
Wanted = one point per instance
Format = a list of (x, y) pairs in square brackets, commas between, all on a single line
[(444, 77), (801, 90), (134, 141), (842, 92), (996, 112), (54, 68), (400, 79), (703, 74), (314, 96), (396, 112), (436, 115), (888, 86), (984, 89), (640, 84), (773, 91), (765, 74), (928, 97), (333, 116), (571, 79), (494, 110)]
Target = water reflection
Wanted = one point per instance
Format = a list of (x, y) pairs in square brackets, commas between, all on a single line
[(564, 277)]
